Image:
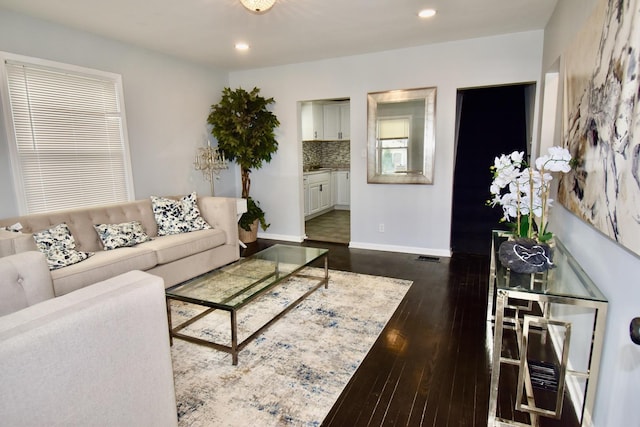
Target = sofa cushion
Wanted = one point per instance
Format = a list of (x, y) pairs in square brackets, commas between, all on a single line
[(101, 266), (177, 216), (126, 234), (24, 281), (59, 246), (177, 246)]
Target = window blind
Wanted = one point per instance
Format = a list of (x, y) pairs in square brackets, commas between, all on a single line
[(393, 128), (69, 137)]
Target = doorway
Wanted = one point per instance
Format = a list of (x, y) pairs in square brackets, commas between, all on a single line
[(326, 155), (491, 121)]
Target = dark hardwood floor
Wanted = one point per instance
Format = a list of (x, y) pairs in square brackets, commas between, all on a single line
[(430, 366)]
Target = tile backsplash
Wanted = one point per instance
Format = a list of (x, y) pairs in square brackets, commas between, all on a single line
[(326, 154)]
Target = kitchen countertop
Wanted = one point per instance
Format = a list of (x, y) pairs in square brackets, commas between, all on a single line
[(321, 170)]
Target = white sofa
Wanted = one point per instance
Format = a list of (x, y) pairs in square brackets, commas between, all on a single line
[(98, 356), (175, 258)]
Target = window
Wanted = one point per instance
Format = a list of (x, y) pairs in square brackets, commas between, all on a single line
[(393, 144), (393, 153), (66, 134)]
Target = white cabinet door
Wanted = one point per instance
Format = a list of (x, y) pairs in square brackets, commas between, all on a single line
[(325, 195), (306, 195), (312, 121), (342, 188), (306, 121), (314, 198), (319, 197), (334, 188), (345, 121), (319, 192), (336, 121), (331, 113)]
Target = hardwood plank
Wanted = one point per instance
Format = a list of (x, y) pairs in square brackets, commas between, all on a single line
[(431, 365)]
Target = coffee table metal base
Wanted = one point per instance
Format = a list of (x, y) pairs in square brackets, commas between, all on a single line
[(236, 347)]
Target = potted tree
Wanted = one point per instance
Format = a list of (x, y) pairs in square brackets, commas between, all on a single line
[(244, 128)]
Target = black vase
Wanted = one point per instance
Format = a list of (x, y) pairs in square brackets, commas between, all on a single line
[(525, 255)]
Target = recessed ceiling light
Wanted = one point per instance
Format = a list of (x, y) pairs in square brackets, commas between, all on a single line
[(427, 13), (242, 46)]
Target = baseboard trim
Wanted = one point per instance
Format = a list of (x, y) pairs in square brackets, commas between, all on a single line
[(401, 249), (282, 237), (363, 245)]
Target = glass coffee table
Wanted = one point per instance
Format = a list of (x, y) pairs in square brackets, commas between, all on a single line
[(235, 286)]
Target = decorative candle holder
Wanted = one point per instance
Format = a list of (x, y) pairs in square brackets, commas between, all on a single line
[(210, 161)]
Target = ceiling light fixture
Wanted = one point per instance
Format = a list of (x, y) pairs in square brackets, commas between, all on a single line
[(258, 6), (242, 46), (427, 13)]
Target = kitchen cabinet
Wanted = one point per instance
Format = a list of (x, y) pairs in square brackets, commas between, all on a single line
[(314, 198), (341, 189), (319, 192), (312, 115), (336, 117), (305, 185), (345, 121)]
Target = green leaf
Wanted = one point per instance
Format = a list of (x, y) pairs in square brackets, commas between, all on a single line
[(545, 237), (245, 130), (253, 212), (524, 226), (244, 127)]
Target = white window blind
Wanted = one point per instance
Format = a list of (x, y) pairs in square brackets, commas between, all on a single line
[(70, 144), (393, 128)]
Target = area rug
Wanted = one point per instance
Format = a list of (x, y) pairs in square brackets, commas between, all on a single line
[(293, 372)]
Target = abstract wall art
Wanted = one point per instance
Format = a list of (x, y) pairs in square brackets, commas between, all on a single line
[(601, 120)]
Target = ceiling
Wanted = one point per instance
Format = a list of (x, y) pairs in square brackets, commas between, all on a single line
[(205, 31)]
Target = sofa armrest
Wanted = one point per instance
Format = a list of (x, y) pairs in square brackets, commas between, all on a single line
[(221, 213), (97, 356), (13, 243), (24, 280)]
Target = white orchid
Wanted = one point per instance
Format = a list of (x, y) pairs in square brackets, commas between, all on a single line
[(509, 202), (528, 188), (558, 160)]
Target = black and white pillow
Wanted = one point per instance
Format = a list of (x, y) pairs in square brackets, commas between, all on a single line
[(177, 216), (115, 236), (59, 246)]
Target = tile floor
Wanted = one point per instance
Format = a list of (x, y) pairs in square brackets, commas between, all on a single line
[(333, 226)]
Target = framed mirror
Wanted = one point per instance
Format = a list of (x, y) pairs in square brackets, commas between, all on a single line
[(401, 136)]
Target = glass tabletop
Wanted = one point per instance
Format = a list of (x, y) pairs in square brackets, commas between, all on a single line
[(566, 279), (237, 283)]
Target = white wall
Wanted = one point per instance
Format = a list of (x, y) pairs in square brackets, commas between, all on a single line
[(167, 102), (614, 270), (417, 218)]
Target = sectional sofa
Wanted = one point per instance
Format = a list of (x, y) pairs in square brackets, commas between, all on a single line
[(174, 257), (98, 356)]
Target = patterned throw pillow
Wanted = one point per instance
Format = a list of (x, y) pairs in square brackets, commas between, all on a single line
[(59, 246), (177, 216), (120, 235)]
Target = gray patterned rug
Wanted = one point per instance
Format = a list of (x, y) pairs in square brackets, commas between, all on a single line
[(293, 372)]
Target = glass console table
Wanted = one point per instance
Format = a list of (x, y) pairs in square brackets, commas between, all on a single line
[(529, 308)]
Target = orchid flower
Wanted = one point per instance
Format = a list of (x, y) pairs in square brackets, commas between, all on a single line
[(522, 190)]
